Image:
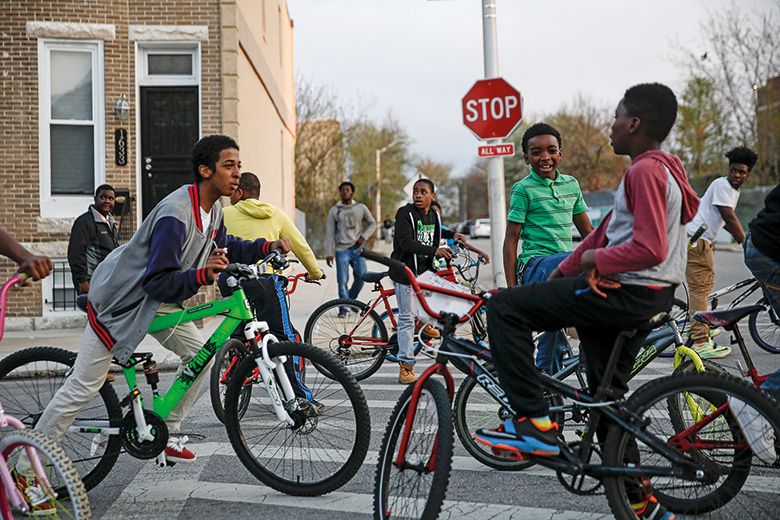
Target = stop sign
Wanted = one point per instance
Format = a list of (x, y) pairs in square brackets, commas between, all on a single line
[(492, 109)]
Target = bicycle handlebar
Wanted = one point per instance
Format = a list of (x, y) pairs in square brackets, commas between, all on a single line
[(697, 235), (15, 279)]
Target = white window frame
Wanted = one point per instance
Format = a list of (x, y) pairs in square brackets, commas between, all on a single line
[(176, 80), (47, 288), (53, 206)]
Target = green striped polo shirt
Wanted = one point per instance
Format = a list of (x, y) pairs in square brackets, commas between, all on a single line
[(545, 208)]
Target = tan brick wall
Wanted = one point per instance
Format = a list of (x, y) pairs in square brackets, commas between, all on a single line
[(19, 179)]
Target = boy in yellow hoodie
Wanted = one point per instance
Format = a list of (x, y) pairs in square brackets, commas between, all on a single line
[(248, 217)]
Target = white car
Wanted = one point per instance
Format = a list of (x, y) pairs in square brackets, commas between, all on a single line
[(480, 228)]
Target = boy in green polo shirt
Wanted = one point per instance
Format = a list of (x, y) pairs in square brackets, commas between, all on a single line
[(542, 207)]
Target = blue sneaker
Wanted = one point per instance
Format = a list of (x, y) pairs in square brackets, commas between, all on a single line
[(522, 435)]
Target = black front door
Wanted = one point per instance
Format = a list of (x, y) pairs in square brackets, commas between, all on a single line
[(169, 128)]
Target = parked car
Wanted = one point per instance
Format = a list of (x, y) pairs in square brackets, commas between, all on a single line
[(465, 228), (481, 228)]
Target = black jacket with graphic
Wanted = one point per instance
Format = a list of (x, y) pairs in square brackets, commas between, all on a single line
[(416, 239), (91, 239)]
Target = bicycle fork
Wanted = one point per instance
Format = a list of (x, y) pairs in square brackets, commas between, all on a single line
[(270, 369)]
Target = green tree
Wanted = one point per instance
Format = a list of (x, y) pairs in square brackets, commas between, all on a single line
[(699, 137)]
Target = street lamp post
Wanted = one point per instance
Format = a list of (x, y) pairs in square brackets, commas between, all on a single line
[(379, 153)]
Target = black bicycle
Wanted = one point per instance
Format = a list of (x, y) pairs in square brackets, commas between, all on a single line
[(692, 453)]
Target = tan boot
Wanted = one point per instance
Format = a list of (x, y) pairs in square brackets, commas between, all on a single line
[(406, 376), (429, 331)]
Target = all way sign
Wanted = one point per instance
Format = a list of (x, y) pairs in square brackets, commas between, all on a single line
[(497, 150)]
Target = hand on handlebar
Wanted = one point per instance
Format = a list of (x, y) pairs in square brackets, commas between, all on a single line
[(308, 279), (36, 267), (444, 252), (283, 244)]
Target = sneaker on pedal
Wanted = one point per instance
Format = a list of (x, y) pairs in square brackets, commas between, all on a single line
[(757, 430), (406, 375), (652, 510), (40, 503), (176, 452), (710, 350), (523, 435), (311, 408)]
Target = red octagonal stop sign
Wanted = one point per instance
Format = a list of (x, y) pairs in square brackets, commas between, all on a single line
[(492, 109)]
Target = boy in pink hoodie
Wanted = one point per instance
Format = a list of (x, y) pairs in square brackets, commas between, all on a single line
[(632, 263)]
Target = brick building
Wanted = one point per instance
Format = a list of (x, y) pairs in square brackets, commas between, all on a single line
[(117, 91)]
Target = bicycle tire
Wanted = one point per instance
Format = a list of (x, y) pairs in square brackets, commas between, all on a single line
[(678, 312), (319, 454), (29, 379), (764, 327), (58, 469), (414, 491), (727, 467), (227, 359), (326, 330)]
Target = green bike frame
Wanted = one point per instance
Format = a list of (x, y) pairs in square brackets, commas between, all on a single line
[(236, 309)]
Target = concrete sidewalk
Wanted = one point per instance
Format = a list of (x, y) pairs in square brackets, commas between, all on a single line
[(306, 298)]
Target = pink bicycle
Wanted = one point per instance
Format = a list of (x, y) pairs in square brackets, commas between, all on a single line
[(37, 476)]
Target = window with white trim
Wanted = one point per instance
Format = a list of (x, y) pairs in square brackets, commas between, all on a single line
[(72, 121)]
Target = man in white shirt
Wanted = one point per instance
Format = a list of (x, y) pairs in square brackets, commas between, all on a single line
[(717, 211)]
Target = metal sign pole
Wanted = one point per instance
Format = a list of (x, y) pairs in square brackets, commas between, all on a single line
[(495, 165)]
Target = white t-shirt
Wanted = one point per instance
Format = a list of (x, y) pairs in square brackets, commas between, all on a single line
[(720, 193), (205, 219)]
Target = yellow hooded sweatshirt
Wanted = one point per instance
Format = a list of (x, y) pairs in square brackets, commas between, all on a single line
[(251, 219)]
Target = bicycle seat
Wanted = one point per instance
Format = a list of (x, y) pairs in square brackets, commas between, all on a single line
[(726, 317), (81, 302), (373, 277)]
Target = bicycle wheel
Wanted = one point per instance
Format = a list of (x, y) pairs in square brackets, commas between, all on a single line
[(730, 487), (58, 471), (28, 381), (351, 333), (679, 313), (225, 363), (475, 408), (322, 451), (416, 489), (765, 327)]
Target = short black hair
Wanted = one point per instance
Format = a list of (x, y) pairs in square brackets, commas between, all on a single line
[(104, 187), (655, 105), (540, 129), (426, 181), (206, 152), (435, 204), (742, 155), (249, 183), (347, 183)]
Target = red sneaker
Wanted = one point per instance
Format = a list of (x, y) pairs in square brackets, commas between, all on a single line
[(176, 452), (39, 501)]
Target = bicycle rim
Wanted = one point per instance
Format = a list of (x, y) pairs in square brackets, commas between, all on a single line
[(764, 328), (317, 455), (415, 491), (329, 330), (28, 381), (58, 471), (736, 484), (225, 363)]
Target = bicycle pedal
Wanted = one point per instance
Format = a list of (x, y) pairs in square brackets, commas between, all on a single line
[(163, 462), (512, 455)]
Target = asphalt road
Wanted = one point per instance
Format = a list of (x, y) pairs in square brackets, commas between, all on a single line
[(217, 486)]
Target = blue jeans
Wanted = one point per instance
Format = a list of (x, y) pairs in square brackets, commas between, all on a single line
[(551, 345), (345, 259), (766, 271), (403, 295)]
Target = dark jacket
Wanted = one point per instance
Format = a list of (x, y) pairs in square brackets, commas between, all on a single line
[(416, 239), (91, 239), (765, 228)]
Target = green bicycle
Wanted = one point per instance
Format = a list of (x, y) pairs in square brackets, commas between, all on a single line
[(279, 439)]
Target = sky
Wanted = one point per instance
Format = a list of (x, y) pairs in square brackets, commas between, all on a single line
[(417, 59)]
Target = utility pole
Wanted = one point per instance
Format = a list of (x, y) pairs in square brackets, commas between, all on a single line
[(495, 165)]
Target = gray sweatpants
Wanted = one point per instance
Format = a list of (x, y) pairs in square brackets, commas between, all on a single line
[(91, 368)]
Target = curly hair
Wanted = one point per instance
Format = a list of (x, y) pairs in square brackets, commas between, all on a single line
[(540, 129), (742, 155), (206, 152)]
